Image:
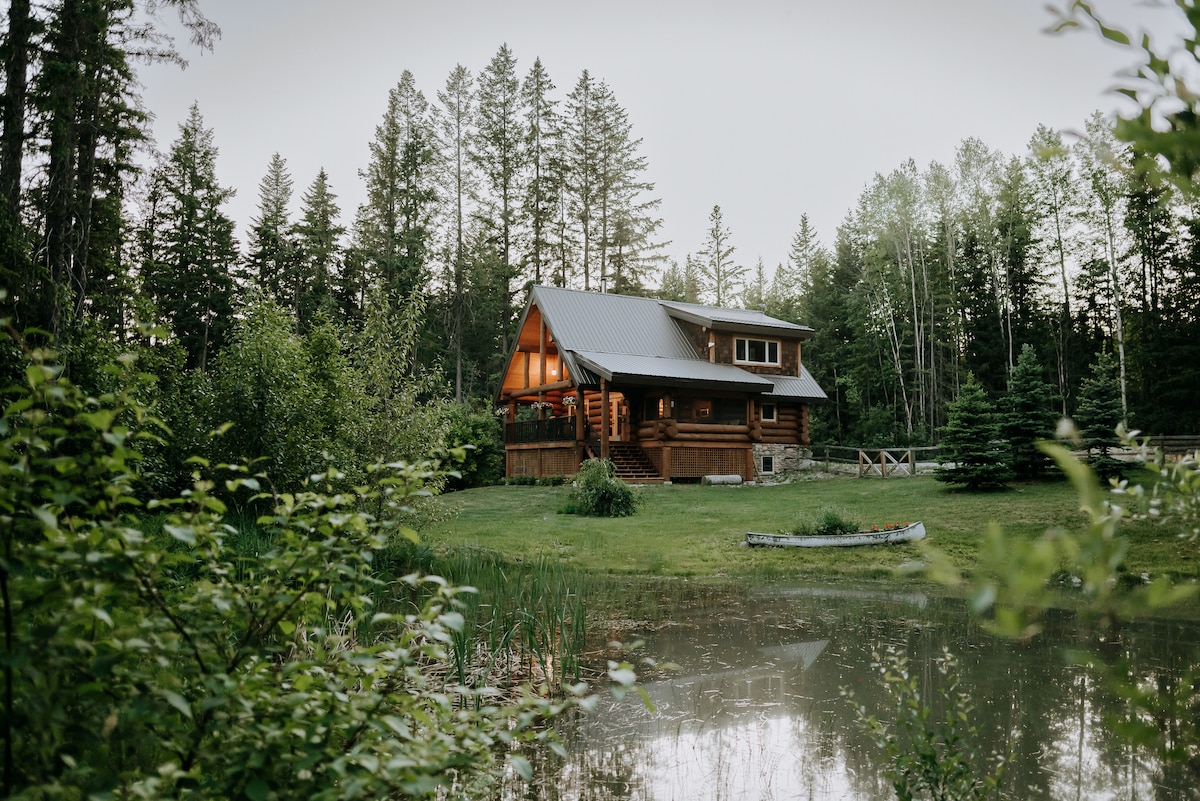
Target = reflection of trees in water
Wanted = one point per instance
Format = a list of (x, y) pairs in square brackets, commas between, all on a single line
[(748, 662)]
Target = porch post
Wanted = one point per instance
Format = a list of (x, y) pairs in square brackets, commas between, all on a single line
[(580, 427), (542, 352), (580, 432), (605, 421)]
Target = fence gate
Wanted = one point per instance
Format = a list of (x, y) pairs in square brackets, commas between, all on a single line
[(888, 463)]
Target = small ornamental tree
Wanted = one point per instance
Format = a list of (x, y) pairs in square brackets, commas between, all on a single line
[(971, 435), (1028, 417), (1098, 414), (599, 493)]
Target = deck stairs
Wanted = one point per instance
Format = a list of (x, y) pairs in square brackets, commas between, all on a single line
[(632, 464)]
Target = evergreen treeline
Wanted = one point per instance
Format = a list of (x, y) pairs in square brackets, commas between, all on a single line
[(322, 339), (499, 179), (1076, 250)]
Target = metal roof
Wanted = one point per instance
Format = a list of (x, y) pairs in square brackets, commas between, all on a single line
[(630, 324), (638, 341), (657, 370), (801, 387), (722, 319)]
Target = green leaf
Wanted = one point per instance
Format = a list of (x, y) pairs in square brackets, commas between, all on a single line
[(176, 700), (258, 790), (521, 765), (185, 534), (1113, 34), (48, 518), (287, 627)]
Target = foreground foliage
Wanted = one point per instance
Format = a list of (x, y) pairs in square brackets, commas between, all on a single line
[(930, 755), (154, 665)]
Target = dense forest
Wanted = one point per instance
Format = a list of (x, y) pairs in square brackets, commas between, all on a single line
[(335, 336)]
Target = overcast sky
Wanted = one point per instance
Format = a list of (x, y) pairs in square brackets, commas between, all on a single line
[(769, 108)]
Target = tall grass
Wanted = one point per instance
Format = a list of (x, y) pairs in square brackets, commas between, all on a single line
[(524, 623)]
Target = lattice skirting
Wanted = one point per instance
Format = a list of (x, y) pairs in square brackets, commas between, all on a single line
[(655, 456), (700, 462), (541, 462)]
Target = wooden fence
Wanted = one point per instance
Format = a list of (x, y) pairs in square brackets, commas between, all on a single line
[(882, 462), (897, 462)]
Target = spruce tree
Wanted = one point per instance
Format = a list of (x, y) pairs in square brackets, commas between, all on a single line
[(392, 229), (1028, 416), (581, 161), (189, 249), (544, 170), (318, 241), (672, 285), (722, 275), (271, 251), (1099, 413), (970, 435)]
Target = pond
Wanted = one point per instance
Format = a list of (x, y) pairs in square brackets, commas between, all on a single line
[(755, 708)]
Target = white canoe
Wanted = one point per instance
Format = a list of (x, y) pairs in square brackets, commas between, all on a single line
[(909, 533)]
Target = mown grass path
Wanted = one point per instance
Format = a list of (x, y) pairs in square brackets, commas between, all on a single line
[(690, 530)]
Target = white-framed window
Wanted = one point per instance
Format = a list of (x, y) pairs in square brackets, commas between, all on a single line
[(768, 465), (767, 412), (756, 351)]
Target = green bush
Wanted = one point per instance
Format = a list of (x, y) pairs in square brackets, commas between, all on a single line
[(599, 493), (484, 463), (160, 651), (831, 523)]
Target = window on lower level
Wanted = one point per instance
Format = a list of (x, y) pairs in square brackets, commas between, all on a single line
[(768, 465), (756, 351), (768, 412)]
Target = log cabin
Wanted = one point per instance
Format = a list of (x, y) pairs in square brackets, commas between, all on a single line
[(668, 391)]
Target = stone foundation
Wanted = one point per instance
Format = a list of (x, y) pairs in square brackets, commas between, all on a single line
[(788, 459)]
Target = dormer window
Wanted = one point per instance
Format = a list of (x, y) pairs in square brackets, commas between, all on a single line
[(756, 351)]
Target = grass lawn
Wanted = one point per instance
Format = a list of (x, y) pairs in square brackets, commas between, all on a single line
[(691, 530)]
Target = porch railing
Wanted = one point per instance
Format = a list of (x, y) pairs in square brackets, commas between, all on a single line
[(555, 429)]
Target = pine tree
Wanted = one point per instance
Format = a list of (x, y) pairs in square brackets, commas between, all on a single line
[(626, 221), (793, 279), (582, 168), (454, 123), (693, 279), (544, 171), (1028, 416), (1098, 414), (189, 249), (722, 275), (500, 156), (672, 285), (970, 435), (272, 253), (318, 241), (754, 296), (393, 227)]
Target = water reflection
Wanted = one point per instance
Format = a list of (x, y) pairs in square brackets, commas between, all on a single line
[(755, 710)]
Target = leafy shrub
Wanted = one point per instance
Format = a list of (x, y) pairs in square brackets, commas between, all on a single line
[(830, 523), (183, 656), (599, 493), (484, 463), (519, 481)]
